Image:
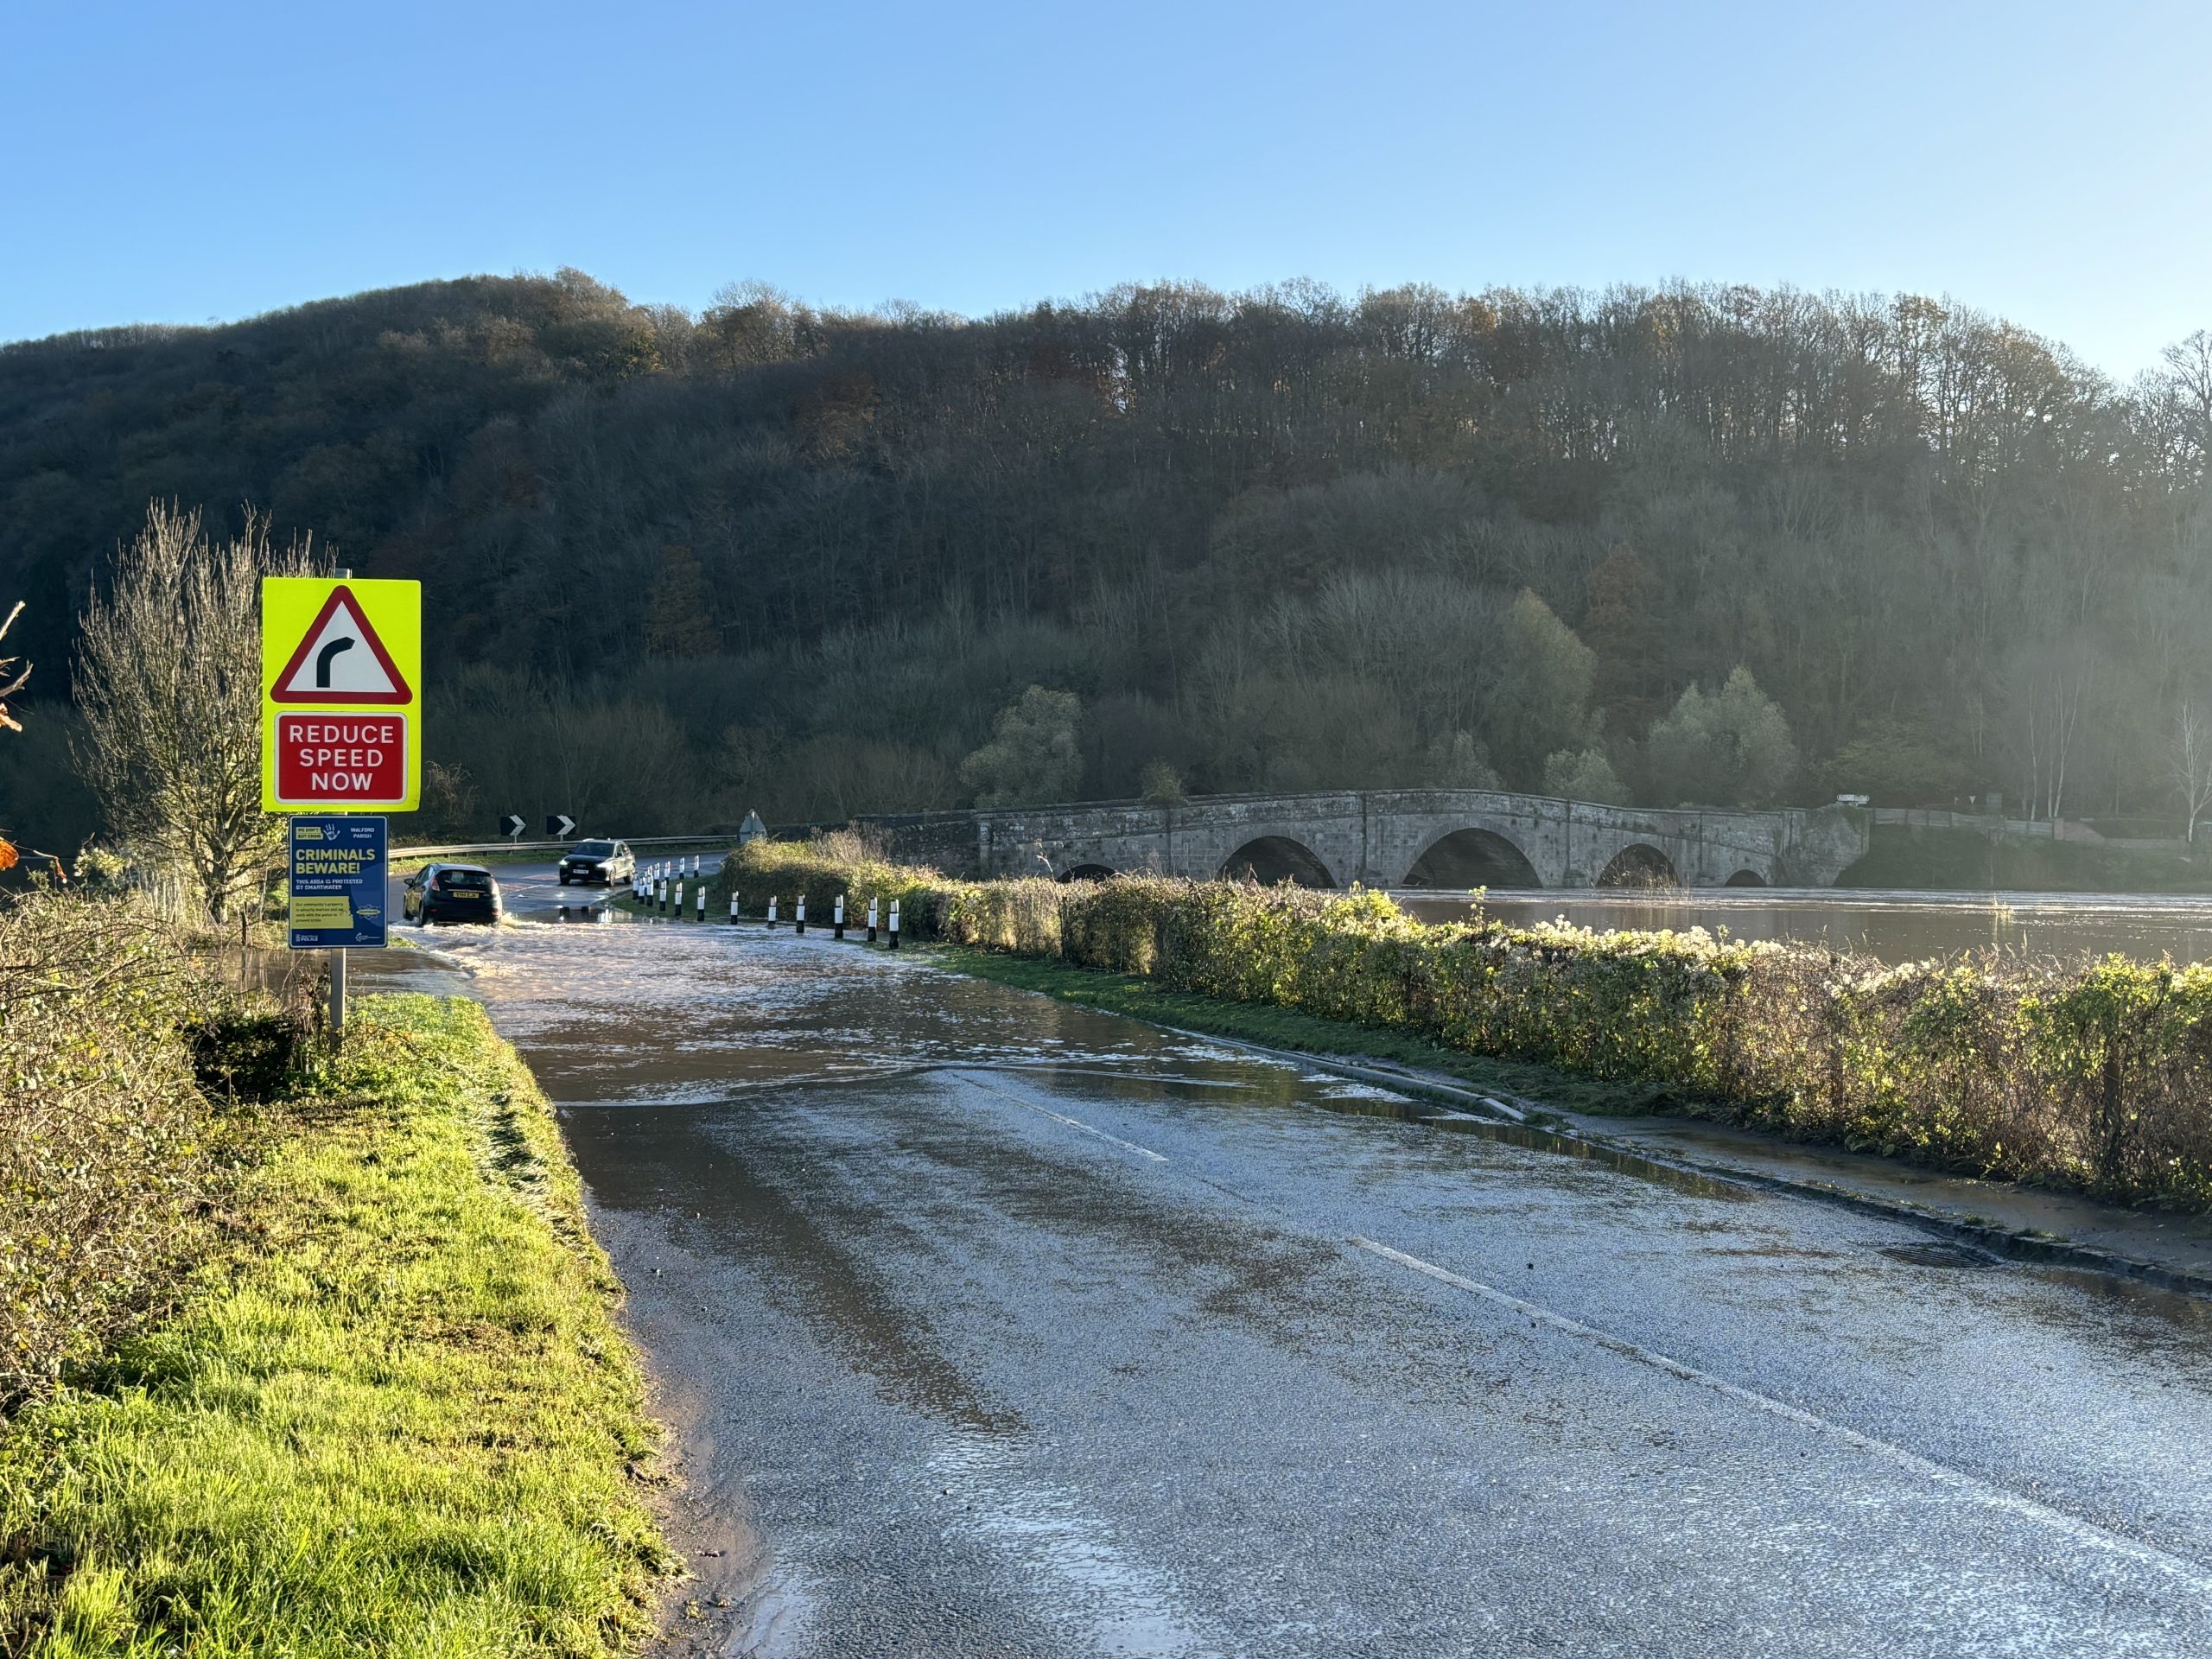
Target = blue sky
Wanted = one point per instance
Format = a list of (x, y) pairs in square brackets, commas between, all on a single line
[(183, 163)]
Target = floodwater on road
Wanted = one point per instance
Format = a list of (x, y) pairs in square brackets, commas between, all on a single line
[(995, 1326), (1893, 926)]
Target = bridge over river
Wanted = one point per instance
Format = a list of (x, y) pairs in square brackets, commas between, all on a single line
[(1451, 838)]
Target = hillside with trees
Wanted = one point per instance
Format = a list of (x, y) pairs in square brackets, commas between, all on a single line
[(1709, 543)]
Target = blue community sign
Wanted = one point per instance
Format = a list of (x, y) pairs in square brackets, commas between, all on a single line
[(338, 883)]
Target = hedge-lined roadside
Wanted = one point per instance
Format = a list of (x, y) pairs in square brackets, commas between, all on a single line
[(2094, 1076), (130, 1072), (395, 1415)]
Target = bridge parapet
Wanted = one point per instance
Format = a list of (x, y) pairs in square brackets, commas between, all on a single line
[(1440, 837)]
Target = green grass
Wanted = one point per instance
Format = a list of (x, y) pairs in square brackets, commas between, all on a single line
[(1958, 860), (395, 1416), (1278, 1028)]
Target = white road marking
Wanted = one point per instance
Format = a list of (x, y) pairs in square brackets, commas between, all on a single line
[(1057, 1118), (1981, 1491)]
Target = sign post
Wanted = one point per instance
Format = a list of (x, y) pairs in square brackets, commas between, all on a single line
[(341, 668)]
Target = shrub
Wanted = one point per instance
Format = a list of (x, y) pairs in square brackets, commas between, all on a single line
[(109, 1143)]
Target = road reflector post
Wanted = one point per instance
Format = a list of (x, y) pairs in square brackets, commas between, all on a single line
[(798, 916), (702, 901), (772, 914), (871, 919), (733, 907), (895, 924), (838, 922)]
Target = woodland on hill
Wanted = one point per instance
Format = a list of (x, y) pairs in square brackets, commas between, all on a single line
[(1710, 543)]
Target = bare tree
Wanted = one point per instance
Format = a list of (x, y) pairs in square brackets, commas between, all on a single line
[(169, 681), (2191, 760), (15, 681), (2052, 684)]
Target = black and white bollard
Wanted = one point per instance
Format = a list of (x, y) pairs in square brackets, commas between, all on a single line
[(702, 901), (772, 915), (798, 916), (870, 919), (733, 907), (838, 922), (895, 924)]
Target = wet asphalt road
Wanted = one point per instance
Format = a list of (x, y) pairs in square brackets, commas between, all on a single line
[(999, 1327)]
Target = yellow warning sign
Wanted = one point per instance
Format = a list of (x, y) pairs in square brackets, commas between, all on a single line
[(342, 707), (322, 909)]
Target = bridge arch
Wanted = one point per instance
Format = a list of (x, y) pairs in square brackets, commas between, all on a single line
[(1639, 864), (1745, 879), (1087, 873), (1472, 858), (1270, 860)]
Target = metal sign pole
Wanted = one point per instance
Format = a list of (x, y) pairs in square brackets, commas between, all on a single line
[(337, 997)]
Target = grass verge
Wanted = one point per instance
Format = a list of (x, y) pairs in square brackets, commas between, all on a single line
[(1280, 1027), (1957, 859), (395, 1415)]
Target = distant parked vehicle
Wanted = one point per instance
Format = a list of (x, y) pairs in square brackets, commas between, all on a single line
[(603, 861), (450, 893)]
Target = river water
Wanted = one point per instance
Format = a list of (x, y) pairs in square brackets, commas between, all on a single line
[(1893, 926)]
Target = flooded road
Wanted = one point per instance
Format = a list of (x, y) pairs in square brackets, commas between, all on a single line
[(1894, 926), (999, 1327)]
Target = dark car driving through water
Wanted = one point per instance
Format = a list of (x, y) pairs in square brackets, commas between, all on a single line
[(451, 893), (603, 861)]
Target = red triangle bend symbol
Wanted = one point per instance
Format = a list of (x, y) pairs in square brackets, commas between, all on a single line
[(341, 594)]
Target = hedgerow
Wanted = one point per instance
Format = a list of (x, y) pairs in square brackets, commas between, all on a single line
[(123, 1069), (2091, 1075)]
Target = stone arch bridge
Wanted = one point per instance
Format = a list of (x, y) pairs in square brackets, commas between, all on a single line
[(1448, 838)]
